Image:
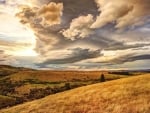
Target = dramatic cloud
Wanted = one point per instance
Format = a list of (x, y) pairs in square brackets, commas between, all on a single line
[(27, 15), (51, 13), (54, 28), (77, 55), (128, 58), (123, 46), (48, 14), (49, 37), (79, 27), (121, 12), (40, 20), (45, 43)]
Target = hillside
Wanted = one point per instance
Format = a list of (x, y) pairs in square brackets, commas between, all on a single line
[(23, 85), (6, 70), (128, 95), (55, 76)]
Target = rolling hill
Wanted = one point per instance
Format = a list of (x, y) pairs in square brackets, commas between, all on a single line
[(23, 84), (128, 95), (6, 70), (55, 76)]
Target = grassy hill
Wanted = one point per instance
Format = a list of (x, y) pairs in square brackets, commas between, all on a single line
[(24, 84), (55, 76), (128, 95), (6, 70)]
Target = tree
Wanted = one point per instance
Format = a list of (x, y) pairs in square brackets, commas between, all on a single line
[(102, 78), (67, 86)]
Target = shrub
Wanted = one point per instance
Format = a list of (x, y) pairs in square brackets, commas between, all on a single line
[(67, 86), (102, 78)]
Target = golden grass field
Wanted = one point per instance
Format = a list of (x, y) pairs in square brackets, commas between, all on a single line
[(127, 95), (57, 76), (23, 84)]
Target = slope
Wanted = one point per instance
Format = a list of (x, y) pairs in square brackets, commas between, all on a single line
[(128, 95), (6, 70)]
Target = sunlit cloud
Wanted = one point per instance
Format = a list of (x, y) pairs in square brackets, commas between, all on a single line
[(121, 12), (69, 34), (79, 27)]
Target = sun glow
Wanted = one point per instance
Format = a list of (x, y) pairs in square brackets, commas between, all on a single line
[(25, 52)]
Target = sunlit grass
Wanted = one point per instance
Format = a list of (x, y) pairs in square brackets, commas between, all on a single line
[(129, 95)]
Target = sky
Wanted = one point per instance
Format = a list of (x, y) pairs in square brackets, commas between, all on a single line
[(75, 34)]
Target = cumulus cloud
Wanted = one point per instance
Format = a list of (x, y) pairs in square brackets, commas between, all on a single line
[(78, 54), (51, 13), (27, 14), (79, 27), (49, 37), (40, 20), (46, 18), (71, 10), (121, 12)]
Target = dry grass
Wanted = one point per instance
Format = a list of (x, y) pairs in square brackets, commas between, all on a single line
[(25, 89), (129, 95), (8, 70), (55, 76)]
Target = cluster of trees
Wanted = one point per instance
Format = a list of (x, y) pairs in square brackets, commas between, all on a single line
[(120, 73), (40, 92), (6, 101), (8, 89)]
